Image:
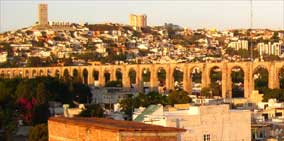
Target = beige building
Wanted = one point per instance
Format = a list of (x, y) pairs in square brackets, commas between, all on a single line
[(138, 21), (43, 14)]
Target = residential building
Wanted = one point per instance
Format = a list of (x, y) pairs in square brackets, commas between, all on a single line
[(240, 44), (267, 121), (101, 129), (203, 123), (269, 48)]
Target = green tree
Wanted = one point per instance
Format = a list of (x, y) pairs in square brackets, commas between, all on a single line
[(38, 133), (154, 98), (94, 110), (127, 105), (34, 62), (178, 97), (116, 83), (273, 94), (206, 91), (41, 93), (216, 89), (40, 114)]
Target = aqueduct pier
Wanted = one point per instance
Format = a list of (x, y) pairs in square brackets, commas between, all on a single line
[(249, 68)]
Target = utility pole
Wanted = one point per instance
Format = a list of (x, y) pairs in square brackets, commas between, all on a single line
[(283, 15), (251, 26)]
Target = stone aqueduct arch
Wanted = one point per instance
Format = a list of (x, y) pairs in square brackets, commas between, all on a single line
[(187, 68)]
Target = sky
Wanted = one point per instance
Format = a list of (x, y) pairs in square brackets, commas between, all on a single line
[(219, 14)]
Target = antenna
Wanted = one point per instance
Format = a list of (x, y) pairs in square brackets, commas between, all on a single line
[(251, 26)]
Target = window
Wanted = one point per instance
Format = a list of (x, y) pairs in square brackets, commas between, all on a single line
[(206, 137), (278, 114)]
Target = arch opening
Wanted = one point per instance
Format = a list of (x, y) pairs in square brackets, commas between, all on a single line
[(57, 73), (178, 78), (41, 73), (27, 74), (216, 81), (21, 74), (119, 77), (146, 76), (281, 78), (33, 73), (49, 73), (195, 77), (85, 76), (66, 74), (132, 78), (96, 78), (237, 78), (107, 76), (260, 77), (75, 75)]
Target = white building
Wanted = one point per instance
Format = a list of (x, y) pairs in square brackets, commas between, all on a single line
[(240, 44), (203, 123), (269, 49)]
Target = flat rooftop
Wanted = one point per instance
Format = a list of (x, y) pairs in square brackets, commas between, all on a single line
[(119, 125)]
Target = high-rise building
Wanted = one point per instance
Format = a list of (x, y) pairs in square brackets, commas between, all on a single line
[(240, 44), (43, 14), (269, 48), (138, 21)]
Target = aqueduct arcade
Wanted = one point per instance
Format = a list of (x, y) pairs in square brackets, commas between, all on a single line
[(100, 74)]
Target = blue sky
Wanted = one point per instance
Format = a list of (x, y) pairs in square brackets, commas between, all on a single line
[(223, 14)]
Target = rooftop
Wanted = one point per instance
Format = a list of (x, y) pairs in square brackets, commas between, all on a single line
[(118, 125)]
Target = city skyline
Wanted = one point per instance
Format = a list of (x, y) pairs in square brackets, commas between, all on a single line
[(223, 16)]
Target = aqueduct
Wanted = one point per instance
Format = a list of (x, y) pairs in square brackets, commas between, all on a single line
[(104, 73)]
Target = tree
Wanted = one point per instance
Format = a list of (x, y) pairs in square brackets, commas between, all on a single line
[(81, 93), (127, 105), (154, 98), (34, 62), (38, 133), (40, 114), (206, 92), (216, 89), (94, 110), (41, 93), (116, 83), (178, 97), (273, 94)]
